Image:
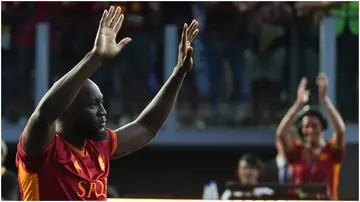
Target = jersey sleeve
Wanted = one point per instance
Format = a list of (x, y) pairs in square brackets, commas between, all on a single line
[(33, 163), (294, 155), (337, 154), (112, 142)]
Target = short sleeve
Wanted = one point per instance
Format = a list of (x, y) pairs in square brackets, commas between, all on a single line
[(294, 155), (337, 154), (33, 163), (112, 142)]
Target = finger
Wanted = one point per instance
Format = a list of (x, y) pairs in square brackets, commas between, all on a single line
[(119, 23), (115, 18), (104, 18), (184, 39), (192, 37), (124, 42), (322, 74), (110, 16), (321, 81), (192, 27), (303, 83)]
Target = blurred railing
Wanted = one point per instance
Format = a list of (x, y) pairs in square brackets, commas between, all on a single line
[(239, 90)]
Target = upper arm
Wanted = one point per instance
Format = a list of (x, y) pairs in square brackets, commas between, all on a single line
[(37, 134), (131, 137), (287, 140), (338, 140)]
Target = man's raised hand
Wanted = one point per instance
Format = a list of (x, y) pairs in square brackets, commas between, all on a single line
[(322, 82), (105, 43), (185, 61), (303, 93)]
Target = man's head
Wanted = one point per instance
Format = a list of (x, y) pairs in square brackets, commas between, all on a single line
[(249, 169), (87, 114), (4, 152), (311, 125)]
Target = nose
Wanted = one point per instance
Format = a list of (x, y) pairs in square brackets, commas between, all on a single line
[(102, 111), (310, 130)]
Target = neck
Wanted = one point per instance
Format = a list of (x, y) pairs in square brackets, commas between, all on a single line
[(71, 136)]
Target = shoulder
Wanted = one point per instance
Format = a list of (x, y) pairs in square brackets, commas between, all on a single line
[(330, 145), (337, 154), (299, 143), (33, 163)]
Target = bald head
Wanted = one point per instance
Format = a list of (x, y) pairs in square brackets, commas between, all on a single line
[(87, 92)]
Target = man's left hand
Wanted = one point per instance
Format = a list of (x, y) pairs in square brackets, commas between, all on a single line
[(322, 82), (185, 61)]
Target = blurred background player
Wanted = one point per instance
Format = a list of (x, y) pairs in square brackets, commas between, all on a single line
[(248, 172), (9, 184), (68, 127), (314, 160)]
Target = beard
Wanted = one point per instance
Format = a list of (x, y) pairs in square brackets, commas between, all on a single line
[(92, 132)]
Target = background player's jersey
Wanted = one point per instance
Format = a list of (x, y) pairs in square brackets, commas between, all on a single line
[(63, 172), (325, 169)]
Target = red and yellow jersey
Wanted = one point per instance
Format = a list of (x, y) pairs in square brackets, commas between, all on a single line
[(325, 169), (63, 172)]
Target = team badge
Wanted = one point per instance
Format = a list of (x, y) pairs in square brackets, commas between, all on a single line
[(323, 157)]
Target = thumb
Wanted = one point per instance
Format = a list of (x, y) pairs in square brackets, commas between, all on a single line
[(124, 42)]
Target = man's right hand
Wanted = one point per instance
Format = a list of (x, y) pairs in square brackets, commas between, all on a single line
[(302, 93), (105, 42)]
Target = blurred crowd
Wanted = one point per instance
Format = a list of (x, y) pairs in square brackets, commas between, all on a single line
[(242, 57)]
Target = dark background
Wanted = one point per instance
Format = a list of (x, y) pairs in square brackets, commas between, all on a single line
[(181, 172)]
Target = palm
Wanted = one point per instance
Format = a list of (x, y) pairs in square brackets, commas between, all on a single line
[(110, 24), (322, 82), (185, 49), (303, 93)]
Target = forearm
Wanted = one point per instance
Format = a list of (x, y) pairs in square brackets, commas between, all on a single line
[(155, 114), (288, 120), (335, 118), (63, 92)]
